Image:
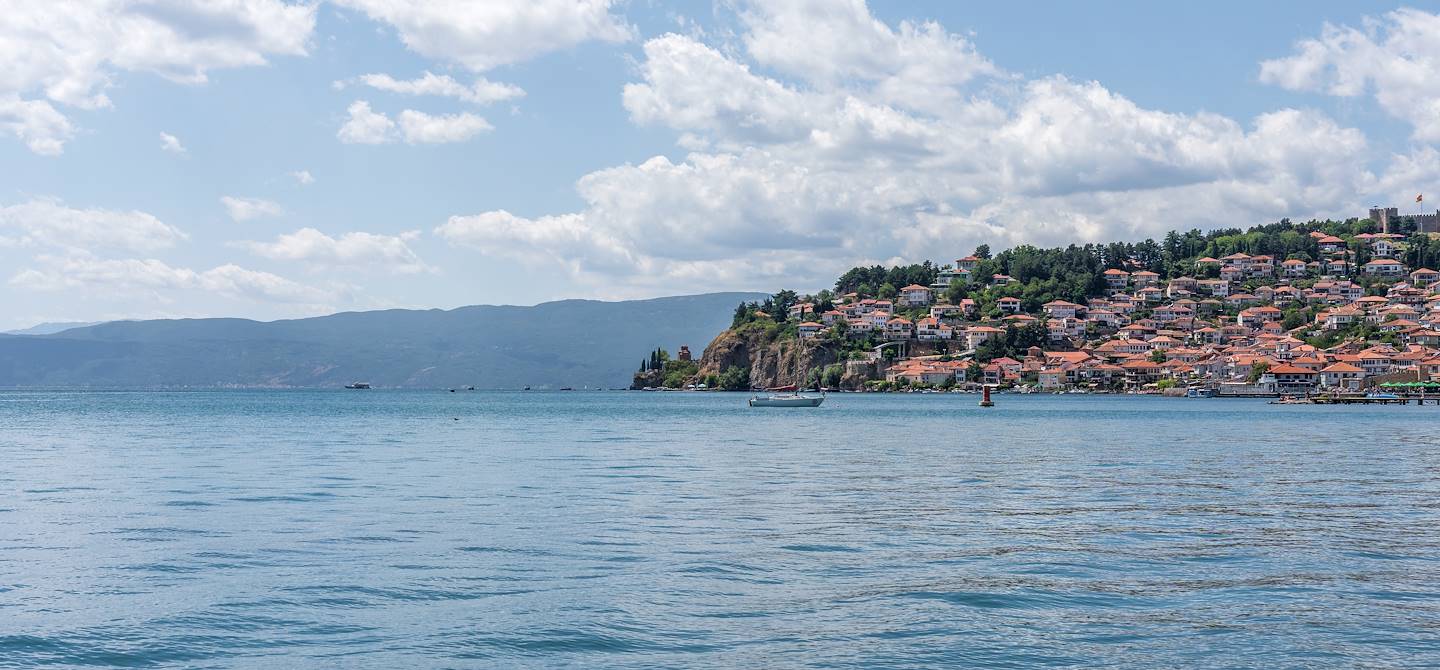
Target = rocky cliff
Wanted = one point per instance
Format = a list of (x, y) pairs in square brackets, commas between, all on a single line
[(777, 362)]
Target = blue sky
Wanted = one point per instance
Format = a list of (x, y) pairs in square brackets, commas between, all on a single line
[(263, 158)]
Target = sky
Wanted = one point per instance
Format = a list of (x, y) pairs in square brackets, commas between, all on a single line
[(277, 159)]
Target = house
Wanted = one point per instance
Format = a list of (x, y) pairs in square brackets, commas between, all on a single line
[(977, 335), (1145, 278), (1340, 317), (916, 295), (1116, 279), (1232, 273), (809, 329), (1424, 277), (1009, 305), (1331, 244), (1141, 371), (1383, 247), (946, 277), (1384, 267), (930, 328), (1294, 379), (899, 328), (1254, 317), (1218, 288), (1060, 309), (967, 264), (1294, 268), (1238, 260)]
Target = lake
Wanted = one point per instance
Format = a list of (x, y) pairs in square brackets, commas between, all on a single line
[(388, 529)]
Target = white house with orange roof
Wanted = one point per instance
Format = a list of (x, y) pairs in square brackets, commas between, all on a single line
[(1424, 277), (809, 329), (1116, 279), (1061, 309), (977, 335), (900, 328), (916, 295), (1144, 278), (1009, 305), (1385, 267)]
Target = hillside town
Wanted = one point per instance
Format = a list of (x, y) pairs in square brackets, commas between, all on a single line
[(1348, 317)]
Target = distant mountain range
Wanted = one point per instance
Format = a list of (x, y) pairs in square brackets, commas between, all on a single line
[(51, 328), (577, 343)]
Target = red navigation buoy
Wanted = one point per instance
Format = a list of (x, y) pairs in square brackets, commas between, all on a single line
[(985, 399)]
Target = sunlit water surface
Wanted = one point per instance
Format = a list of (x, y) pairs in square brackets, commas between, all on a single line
[(381, 529)]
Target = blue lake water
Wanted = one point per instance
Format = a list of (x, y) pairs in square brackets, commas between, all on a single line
[(389, 529)]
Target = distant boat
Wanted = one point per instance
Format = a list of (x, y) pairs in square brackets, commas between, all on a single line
[(1199, 392), (787, 400), (567, 388), (358, 385)]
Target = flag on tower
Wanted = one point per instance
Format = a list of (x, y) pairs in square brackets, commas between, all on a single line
[(1419, 197)]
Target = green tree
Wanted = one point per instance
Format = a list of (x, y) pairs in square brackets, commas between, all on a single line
[(735, 378)]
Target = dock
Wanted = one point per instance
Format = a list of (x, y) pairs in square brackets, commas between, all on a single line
[(1355, 400)]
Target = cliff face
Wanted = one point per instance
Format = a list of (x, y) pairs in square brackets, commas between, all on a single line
[(779, 363)]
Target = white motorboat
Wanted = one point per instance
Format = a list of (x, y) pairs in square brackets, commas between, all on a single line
[(787, 400)]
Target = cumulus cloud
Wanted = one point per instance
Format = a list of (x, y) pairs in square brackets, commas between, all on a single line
[(69, 55), (831, 41), (391, 253), (792, 180), (1395, 58), (133, 274), (484, 35), (171, 144), (365, 126), (482, 92), (51, 223), (37, 123), (245, 209), (370, 127), (302, 177), (422, 128)]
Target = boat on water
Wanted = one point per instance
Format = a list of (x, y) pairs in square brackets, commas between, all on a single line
[(787, 400), (358, 385), (1199, 392), (1377, 395)]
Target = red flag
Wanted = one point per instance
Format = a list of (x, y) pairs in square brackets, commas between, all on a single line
[(1419, 197)]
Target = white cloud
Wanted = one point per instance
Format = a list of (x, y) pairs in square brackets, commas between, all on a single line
[(422, 128), (245, 209), (69, 54), (365, 126), (831, 41), (792, 182), (482, 92), (484, 35), (36, 123), (171, 144), (302, 177), (1395, 58), (391, 253), (124, 276), (369, 127), (50, 223)]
